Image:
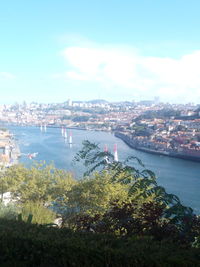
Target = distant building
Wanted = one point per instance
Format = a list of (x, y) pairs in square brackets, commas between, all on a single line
[(69, 102)]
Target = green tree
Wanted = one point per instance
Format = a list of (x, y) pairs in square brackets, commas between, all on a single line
[(43, 183), (94, 194), (9, 211), (141, 182), (40, 214)]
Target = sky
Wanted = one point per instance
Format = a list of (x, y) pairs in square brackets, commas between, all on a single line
[(52, 51)]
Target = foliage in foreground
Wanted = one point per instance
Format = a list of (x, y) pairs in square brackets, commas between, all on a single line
[(39, 213), (147, 210), (141, 219), (118, 198), (23, 244), (9, 212), (36, 212), (41, 183)]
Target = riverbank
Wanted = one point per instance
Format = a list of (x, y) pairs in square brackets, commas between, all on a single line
[(9, 149), (131, 143), (59, 127)]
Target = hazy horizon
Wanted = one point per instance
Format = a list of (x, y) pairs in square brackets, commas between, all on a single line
[(91, 100)]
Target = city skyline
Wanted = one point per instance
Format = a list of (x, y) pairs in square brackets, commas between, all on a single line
[(51, 51)]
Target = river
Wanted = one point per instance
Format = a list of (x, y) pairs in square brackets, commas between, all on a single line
[(178, 176)]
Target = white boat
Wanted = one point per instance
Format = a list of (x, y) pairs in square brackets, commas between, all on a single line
[(65, 134), (115, 153), (62, 131), (70, 138), (32, 155)]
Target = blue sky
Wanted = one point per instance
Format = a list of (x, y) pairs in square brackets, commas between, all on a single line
[(86, 49)]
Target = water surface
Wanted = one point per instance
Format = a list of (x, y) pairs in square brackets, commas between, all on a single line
[(178, 176)]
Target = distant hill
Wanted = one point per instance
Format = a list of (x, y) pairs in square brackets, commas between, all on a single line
[(97, 101), (94, 101)]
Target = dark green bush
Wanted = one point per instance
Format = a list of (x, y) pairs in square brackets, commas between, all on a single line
[(23, 244)]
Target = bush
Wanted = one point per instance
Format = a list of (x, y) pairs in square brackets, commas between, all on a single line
[(23, 244), (41, 214), (9, 211)]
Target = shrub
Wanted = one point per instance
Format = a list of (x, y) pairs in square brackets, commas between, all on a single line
[(9, 211), (41, 214), (23, 244)]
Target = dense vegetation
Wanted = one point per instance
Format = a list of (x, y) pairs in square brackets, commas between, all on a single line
[(117, 215), (23, 244)]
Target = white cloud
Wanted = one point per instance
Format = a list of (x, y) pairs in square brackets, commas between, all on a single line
[(122, 70), (7, 75)]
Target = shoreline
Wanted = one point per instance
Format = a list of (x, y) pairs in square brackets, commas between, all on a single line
[(126, 139), (10, 151), (59, 127)]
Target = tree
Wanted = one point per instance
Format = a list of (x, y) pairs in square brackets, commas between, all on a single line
[(94, 194), (39, 213), (80, 119), (141, 182), (8, 212), (43, 183)]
